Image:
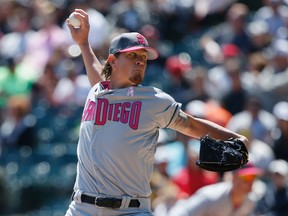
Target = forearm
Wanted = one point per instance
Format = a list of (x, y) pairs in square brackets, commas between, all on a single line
[(92, 64), (197, 127), (204, 127), (80, 36)]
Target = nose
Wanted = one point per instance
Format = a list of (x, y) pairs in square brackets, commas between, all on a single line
[(140, 62)]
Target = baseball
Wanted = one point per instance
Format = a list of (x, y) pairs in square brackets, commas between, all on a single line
[(74, 21)]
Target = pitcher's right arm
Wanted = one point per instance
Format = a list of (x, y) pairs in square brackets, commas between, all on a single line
[(80, 36)]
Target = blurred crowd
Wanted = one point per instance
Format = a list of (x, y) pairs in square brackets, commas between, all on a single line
[(224, 60)]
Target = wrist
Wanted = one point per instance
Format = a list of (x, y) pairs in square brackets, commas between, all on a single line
[(244, 140), (83, 45)]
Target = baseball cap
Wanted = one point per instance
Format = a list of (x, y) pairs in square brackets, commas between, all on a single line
[(127, 42), (279, 166), (280, 47), (230, 50), (280, 110), (258, 27), (178, 65), (248, 169)]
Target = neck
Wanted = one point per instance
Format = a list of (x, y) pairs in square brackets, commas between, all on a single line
[(119, 86), (237, 198), (116, 84)]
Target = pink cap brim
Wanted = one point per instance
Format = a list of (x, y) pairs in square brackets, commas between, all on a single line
[(249, 171), (152, 53)]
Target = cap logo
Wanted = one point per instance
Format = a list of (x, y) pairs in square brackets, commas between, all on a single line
[(141, 39)]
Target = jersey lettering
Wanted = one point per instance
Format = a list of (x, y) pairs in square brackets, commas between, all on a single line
[(103, 111), (88, 111)]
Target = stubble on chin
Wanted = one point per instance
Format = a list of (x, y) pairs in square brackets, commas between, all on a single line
[(136, 79)]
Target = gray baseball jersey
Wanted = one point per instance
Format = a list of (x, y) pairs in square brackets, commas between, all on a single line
[(118, 136)]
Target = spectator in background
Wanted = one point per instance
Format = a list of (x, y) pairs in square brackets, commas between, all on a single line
[(198, 85), (254, 118), (170, 156), (275, 200), (6, 10), (48, 37), (12, 82), (45, 85), (164, 191), (234, 100), (210, 110), (260, 153), (260, 36), (273, 80), (231, 31), (165, 198), (102, 6), (204, 8), (218, 76), (282, 32), (280, 144), (236, 195), (176, 175), (273, 13), (18, 128), (174, 18), (15, 43), (129, 14), (191, 178), (177, 66), (71, 89), (256, 62)]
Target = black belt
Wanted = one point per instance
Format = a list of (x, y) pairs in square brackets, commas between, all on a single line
[(108, 202)]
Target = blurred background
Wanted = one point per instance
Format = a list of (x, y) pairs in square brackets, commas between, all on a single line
[(224, 60)]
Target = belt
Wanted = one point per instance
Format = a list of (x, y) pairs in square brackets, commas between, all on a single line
[(108, 202)]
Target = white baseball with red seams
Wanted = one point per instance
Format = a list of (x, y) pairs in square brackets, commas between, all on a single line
[(74, 21)]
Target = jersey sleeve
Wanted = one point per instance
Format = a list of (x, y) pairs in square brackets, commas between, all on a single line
[(169, 110)]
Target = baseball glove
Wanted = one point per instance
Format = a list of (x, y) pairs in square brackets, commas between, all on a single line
[(221, 155)]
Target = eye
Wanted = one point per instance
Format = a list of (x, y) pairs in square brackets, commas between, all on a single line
[(144, 57), (134, 55), (131, 55)]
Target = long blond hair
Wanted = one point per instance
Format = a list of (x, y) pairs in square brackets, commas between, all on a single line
[(107, 69)]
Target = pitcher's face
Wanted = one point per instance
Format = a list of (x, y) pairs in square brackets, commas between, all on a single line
[(132, 65)]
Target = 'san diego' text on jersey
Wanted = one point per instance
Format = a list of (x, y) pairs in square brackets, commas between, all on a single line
[(103, 111)]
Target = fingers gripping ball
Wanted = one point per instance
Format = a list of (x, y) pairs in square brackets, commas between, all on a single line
[(74, 21), (222, 155)]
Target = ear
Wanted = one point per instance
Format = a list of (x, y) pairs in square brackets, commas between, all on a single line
[(111, 59)]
